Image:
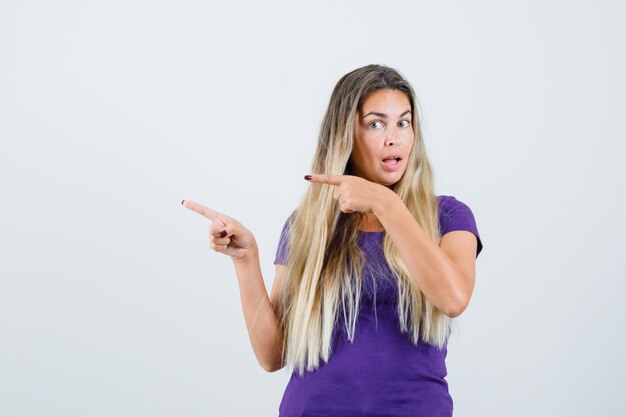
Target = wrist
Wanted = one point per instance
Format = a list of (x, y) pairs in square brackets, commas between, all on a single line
[(250, 255), (386, 198)]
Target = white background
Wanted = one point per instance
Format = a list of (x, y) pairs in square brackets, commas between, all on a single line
[(112, 302)]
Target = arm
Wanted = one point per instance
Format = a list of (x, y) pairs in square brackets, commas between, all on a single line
[(444, 273), (261, 320)]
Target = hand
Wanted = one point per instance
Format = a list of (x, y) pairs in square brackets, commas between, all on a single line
[(354, 194), (236, 242)]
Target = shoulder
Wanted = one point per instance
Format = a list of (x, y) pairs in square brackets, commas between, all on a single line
[(288, 221), (283, 241), (286, 227), (449, 203), (455, 214)]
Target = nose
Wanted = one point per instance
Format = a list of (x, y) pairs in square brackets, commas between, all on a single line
[(390, 140), (392, 137)]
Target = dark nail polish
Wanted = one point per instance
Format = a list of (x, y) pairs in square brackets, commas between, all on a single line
[(182, 202), (223, 233), (307, 177)]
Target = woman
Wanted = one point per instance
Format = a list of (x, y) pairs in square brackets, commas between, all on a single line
[(370, 268)]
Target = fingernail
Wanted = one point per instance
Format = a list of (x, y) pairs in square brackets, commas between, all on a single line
[(307, 177), (223, 233), (182, 202)]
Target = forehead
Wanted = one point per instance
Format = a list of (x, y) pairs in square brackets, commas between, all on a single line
[(385, 99)]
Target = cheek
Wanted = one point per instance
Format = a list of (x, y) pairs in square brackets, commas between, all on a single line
[(363, 146), (410, 140), (368, 152), (374, 133)]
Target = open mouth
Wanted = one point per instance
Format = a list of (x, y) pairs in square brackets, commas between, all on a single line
[(392, 161)]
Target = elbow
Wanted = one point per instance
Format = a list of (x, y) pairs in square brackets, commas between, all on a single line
[(457, 302), (455, 309), (453, 312), (270, 367)]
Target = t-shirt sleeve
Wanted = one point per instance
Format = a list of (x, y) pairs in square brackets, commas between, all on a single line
[(456, 215), (283, 245)]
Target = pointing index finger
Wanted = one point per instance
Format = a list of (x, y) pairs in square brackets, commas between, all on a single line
[(199, 208), (326, 179)]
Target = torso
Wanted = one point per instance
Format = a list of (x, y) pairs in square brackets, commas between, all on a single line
[(371, 224), (380, 372)]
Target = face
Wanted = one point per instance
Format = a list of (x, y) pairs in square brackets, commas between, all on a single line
[(383, 129)]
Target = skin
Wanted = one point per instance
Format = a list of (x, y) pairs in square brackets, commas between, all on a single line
[(378, 135), (444, 273)]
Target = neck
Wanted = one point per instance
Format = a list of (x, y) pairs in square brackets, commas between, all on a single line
[(371, 223)]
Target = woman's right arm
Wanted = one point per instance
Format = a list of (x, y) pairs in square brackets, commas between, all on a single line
[(262, 322), (231, 238)]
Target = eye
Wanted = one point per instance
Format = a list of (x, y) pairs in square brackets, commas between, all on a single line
[(373, 123), (408, 122)]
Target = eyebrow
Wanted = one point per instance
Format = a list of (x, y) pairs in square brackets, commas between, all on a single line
[(383, 115)]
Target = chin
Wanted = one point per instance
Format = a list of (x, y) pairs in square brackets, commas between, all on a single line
[(388, 182)]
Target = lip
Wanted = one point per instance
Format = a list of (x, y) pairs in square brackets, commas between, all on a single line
[(389, 167)]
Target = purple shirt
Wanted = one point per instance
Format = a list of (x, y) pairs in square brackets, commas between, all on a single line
[(380, 373)]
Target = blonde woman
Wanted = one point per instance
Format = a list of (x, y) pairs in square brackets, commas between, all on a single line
[(370, 267)]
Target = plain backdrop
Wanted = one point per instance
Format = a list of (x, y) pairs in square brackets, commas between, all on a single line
[(112, 302)]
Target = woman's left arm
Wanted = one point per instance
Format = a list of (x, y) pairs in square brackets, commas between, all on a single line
[(444, 273)]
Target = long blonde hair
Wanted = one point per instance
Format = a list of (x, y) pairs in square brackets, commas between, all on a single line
[(322, 238)]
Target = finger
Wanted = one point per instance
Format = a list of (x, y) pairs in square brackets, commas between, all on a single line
[(218, 248), (219, 241), (326, 178), (199, 208), (221, 229)]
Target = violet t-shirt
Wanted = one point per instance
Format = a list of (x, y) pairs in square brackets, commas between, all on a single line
[(380, 373)]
